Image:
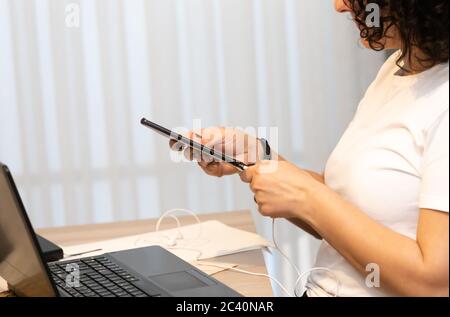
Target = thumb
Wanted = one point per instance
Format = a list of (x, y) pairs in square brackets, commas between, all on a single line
[(247, 175)]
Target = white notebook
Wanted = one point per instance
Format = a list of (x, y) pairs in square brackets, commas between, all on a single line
[(207, 240)]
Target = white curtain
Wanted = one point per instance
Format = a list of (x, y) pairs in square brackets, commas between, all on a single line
[(71, 99)]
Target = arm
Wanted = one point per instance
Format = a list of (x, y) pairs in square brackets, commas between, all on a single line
[(305, 227), (318, 177), (408, 267)]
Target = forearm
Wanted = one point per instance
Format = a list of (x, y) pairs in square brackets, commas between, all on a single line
[(362, 241), (305, 227), (318, 177)]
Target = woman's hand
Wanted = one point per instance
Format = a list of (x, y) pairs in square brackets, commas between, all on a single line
[(244, 148), (281, 189), (234, 142)]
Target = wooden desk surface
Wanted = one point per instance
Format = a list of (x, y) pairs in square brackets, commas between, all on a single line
[(253, 261)]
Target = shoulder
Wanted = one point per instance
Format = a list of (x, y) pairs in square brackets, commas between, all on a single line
[(433, 95), (435, 82)]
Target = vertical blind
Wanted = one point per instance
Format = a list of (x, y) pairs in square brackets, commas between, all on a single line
[(71, 99)]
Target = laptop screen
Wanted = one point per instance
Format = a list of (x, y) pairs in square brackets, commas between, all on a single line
[(21, 264)]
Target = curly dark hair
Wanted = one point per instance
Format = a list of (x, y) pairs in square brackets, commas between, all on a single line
[(420, 23)]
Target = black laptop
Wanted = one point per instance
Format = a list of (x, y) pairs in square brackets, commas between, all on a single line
[(143, 272)]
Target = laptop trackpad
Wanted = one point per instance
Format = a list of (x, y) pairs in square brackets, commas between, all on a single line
[(178, 281)]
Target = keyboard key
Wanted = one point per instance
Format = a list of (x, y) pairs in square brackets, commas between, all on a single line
[(71, 291), (105, 293), (89, 283), (94, 276), (58, 281), (105, 272), (97, 288), (99, 277), (136, 292)]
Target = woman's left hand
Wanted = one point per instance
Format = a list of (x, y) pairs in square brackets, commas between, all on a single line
[(282, 190)]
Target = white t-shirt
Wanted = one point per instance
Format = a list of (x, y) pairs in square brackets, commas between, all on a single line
[(392, 161)]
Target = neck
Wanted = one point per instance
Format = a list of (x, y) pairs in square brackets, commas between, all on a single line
[(413, 62)]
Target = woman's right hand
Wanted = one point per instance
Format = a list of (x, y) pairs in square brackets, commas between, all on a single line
[(233, 142), (236, 143)]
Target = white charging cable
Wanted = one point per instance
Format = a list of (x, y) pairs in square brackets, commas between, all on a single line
[(171, 212), (300, 276), (172, 244), (249, 273)]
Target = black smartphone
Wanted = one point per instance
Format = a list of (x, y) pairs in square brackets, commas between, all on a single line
[(206, 151)]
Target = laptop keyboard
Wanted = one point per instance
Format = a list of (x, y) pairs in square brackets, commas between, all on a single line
[(99, 277)]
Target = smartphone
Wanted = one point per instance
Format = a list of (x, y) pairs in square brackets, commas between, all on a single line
[(206, 151)]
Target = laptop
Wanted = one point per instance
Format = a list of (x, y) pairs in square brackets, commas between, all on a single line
[(143, 272)]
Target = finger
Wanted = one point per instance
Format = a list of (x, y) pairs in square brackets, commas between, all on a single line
[(212, 169), (215, 169), (214, 138), (258, 200), (197, 155), (176, 146), (248, 174), (253, 186), (228, 169), (211, 138), (268, 167), (208, 166), (205, 136), (188, 154), (203, 164)]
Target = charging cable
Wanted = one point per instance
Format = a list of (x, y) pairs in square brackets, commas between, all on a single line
[(173, 244)]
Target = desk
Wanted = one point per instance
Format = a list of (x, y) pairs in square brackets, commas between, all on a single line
[(253, 261)]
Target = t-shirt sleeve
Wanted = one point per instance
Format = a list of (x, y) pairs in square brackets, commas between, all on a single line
[(435, 167)]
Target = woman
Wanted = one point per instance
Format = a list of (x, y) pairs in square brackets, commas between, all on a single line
[(382, 204)]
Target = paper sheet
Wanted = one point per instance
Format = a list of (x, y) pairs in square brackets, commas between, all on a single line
[(3, 286), (195, 242)]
